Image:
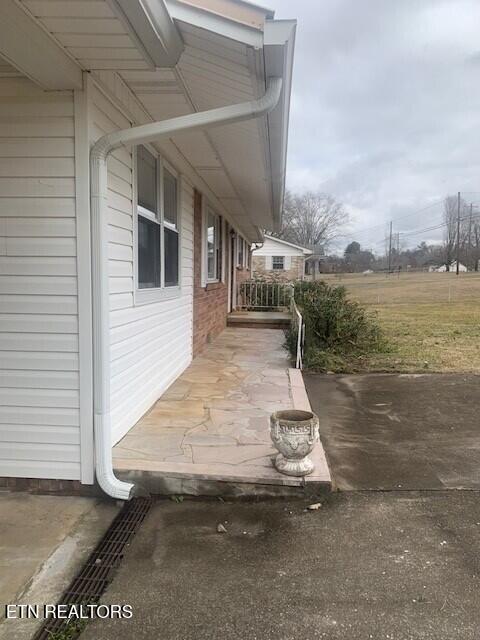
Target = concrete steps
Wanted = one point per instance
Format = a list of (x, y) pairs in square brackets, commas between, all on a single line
[(259, 319)]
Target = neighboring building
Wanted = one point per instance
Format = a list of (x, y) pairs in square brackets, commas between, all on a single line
[(453, 267), (314, 263), (114, 274), (279, 261)]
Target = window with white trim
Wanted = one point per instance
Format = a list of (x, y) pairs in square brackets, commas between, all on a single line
[(157, 223), (278, 263), (240, 242), (213, 245)]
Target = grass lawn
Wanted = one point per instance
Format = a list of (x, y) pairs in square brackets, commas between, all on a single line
[(432, 320)]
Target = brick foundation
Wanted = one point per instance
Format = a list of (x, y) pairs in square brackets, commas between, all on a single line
[(42, 486), (210, 301)]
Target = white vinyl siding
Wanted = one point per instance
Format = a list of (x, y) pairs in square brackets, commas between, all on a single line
[(151, 343), (39, 377)]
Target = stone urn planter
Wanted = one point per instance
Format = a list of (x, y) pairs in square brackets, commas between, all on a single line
[(294, 433)]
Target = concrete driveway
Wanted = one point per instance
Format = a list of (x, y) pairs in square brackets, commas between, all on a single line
[(390, 431), (365, 566)]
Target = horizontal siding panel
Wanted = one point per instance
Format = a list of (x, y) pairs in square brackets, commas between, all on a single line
[(119, 203), (37, 187), (18, 127), (37, 147), (148, 352), (37, 208), (40, 415), (37, 167), (46, 452), (120, 236), (136, 314), (40, 228), (39, 379), (155, 333), (36, 469), (59, 398), (67, 342), (124, 332), (38, 304), (38, 433), (24, 87), (120, 170), (39, 266), (119, 219), (129, 412), (42, 361), (118, 185), (49, 106), (151, 373), (38, 285), (120, 252), (33, 323), (121, 301), (118, 268), (121, 285), (59, 247)]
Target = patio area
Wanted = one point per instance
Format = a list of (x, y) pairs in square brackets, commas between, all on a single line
[(209, 433)]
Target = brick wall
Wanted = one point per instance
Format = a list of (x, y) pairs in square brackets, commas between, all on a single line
[(295, 272), (210, 301)]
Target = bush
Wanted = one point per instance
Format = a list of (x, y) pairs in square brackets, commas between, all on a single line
[(339, 333)]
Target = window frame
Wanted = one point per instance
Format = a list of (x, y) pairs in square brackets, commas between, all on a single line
[(218, 246), (240, 251), (282, 268), (149, 295)]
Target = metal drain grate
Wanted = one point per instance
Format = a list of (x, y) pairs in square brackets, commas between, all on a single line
[(97, 573)]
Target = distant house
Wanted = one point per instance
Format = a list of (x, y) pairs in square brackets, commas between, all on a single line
[(453, 267), (278, 260)]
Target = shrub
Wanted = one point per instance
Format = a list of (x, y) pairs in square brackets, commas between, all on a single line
[(339, 333)]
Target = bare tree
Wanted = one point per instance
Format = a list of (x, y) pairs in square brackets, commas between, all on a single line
[(312, 218), (450, 214)]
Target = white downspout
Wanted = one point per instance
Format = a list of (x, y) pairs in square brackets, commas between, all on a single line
[(99, 211)]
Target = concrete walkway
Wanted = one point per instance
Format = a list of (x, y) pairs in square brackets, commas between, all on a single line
[(209, 433), (44, 540), (407, 431)]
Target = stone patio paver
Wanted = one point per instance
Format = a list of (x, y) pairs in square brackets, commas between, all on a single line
[(215, 416)]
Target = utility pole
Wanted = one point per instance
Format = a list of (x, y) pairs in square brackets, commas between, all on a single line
[(469, 245), (458, 234), (390, 249)]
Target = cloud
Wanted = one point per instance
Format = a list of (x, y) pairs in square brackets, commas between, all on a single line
[(386, 106)]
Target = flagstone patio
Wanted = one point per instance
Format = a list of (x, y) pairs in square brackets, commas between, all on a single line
[(209, 433)]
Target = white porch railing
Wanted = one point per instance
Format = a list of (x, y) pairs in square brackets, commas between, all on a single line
[(257, 295), (299, 326)]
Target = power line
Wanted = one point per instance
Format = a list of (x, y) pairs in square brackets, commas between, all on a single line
[(408, 215)]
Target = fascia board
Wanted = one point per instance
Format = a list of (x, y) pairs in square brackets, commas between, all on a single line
[(150, 24), (279, 45), (215, 23)]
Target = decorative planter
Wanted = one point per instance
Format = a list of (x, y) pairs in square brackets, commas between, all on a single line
[(294, 433)]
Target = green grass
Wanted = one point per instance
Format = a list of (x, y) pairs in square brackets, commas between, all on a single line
[(431, 321)]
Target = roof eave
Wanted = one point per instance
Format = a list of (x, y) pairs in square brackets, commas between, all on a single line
[(150, 24), (279, 45)]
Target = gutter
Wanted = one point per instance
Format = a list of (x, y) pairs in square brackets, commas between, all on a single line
[(99, 153)]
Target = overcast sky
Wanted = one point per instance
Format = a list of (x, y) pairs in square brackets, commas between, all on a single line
[(386, 108)]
